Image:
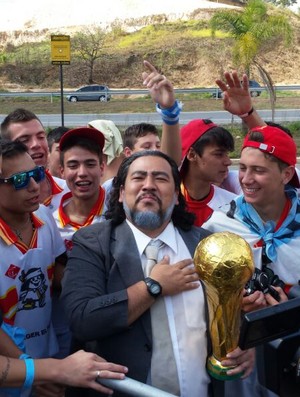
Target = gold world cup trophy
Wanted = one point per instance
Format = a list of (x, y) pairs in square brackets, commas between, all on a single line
[(224, 262)]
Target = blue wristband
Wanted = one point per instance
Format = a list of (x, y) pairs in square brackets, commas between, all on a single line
[(170, 116), (24, 356), (29, 373)]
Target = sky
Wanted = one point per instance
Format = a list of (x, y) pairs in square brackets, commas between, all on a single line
[(57, 13)]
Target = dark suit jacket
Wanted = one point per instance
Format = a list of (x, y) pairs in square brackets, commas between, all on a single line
[(103, 263)]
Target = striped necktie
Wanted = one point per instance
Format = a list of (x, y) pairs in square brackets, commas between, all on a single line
[(163, 366)]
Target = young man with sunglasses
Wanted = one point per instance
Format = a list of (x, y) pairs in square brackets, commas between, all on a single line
[(24, 126), (31, 252)]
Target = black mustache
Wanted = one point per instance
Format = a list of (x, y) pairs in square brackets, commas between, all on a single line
[(148, 194)]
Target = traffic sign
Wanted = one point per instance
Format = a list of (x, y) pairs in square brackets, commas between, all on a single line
[(60, 49)]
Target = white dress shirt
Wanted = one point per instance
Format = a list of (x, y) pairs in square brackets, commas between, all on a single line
[(186, 317)]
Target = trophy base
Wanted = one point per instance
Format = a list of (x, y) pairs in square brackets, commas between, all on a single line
[(218, 371)]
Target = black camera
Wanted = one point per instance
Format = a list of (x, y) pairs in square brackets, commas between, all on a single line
[(275, 332), (264, 280)]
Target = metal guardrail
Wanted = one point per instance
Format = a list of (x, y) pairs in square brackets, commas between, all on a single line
[(113, 92)]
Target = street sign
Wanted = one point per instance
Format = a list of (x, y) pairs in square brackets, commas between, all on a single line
[(60, 50), (61, 55)]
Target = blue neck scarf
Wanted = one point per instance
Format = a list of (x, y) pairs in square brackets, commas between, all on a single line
[(289, 229)]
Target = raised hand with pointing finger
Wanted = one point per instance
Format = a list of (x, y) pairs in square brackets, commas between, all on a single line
[(160, 88)]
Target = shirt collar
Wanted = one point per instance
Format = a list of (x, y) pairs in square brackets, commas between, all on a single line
[(9, 237), (168, 236)]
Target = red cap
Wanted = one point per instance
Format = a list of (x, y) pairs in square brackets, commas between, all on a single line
[(277, 143), (191, 132), (82, 132)]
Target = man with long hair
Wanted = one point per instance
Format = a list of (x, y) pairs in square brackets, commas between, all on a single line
[(111, 293)]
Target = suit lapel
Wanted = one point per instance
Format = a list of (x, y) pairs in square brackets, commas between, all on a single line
[(125, 253), (190, 240)]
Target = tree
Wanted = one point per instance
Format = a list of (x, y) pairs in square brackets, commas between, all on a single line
[(255, 31), (89, 45)]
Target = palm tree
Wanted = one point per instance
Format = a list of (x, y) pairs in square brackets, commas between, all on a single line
[(255, 31)]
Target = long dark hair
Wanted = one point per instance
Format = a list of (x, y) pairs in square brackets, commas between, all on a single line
[(180, 216)]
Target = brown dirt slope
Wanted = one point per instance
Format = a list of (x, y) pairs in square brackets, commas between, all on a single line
[(189, 62)]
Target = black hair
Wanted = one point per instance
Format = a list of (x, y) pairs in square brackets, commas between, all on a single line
[(180, 216), (10, 149), (218, 136), (55, 135), (16, 116), (82, 142), (135, 131)]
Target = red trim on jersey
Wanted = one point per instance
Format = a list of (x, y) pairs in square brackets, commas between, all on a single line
[(8, 305), (284, 214), (9, 237), (199, 207), (55, 188), (95, 211)]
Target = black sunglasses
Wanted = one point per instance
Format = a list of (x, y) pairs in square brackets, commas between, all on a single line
[(22, 179)]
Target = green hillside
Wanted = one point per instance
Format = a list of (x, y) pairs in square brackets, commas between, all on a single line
[(184, 50)]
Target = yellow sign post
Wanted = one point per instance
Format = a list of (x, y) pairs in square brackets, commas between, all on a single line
[(61, 55), (60, 50)]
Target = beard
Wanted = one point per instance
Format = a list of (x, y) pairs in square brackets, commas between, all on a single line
[(149, 219)]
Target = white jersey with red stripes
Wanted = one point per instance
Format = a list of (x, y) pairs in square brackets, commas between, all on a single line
[(26, 281)]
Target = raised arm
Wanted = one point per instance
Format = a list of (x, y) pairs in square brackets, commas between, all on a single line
[(237, 99), (162, 93)]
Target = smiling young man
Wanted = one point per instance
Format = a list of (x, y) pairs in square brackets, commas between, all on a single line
[(82, 167), (267, 212), (205, 162), (24, 126), (237, 100), (266, 215)]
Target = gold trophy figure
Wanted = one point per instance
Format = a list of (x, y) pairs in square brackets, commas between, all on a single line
[(224, 262)]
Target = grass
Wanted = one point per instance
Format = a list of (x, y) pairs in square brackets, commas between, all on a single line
[(125, 104), (149, 37), (152, 35)]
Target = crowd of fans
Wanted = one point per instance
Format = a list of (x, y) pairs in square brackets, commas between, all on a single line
[(78, 209)]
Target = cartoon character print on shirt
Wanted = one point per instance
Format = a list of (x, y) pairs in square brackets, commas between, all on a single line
[(33, 289)]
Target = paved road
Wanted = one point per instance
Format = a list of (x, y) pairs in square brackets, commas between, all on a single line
[(125, 119)]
